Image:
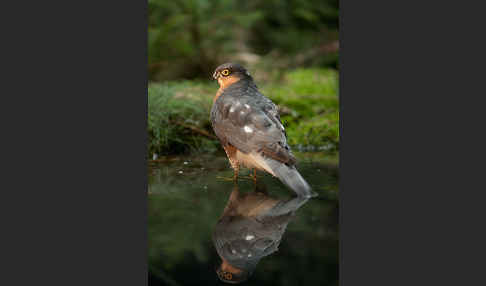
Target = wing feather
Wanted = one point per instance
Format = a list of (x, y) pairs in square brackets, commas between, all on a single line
[(249, 121)]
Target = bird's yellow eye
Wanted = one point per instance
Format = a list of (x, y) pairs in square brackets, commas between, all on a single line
[(225, 72)]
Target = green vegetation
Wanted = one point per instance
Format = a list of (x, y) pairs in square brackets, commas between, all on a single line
[(189, 38), (178, 119), (309, 107), (291, 48)]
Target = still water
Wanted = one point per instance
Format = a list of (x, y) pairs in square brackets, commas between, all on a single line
[(202, 228)]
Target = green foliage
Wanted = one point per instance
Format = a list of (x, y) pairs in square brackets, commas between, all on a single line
[(175, 114), (309, 104), (189, 38), (178, 119), (290, 26)]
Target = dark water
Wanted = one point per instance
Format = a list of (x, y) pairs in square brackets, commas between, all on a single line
[(197, 217)]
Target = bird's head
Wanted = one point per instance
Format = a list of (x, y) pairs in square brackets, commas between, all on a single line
[(230, 274), (229, 73)]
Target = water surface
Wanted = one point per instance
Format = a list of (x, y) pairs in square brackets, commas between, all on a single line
[(297, 244)]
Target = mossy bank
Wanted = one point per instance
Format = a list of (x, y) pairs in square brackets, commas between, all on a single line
[(178, 112)]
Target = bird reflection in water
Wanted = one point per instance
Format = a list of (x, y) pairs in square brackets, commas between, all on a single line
[(250, 228)]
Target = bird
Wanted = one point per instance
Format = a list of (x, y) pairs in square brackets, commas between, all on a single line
[(249, 128), (250, 228)]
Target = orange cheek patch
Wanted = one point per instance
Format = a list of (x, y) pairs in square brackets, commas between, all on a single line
[(224, 82), (226, 267)]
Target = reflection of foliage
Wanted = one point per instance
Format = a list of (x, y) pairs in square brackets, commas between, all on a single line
[(188, 38), (178, 118), (183, 210)]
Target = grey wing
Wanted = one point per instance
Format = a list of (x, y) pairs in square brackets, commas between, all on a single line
[(251, 124)]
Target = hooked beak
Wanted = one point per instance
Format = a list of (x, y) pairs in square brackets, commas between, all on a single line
[(216, 75)]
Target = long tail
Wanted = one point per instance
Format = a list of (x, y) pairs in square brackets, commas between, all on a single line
[(291, 177)]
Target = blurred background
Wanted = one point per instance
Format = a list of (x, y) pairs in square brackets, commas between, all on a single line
[(189, 38), (290, 47)]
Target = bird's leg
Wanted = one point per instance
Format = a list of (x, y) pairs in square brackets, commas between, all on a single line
[(251, 176), (231, 153), (235, 174)]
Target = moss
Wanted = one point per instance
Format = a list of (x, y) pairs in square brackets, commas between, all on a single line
[(178, 119), (309, 107)]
